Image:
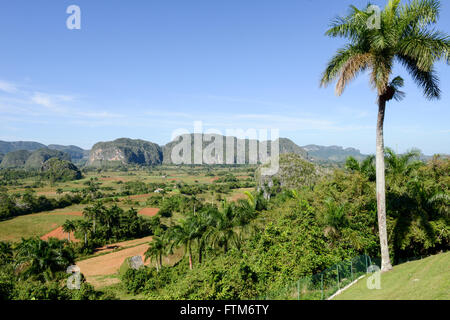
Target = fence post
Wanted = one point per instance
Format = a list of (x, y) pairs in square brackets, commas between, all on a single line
[(351, 268), (321, 284), (365, 256), (298, 289), (337, 269)]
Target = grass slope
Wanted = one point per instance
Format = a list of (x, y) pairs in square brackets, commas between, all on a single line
[(37, 224), (426, 279)]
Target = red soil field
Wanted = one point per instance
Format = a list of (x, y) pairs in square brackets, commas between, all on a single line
[(238, 196), (113, 179), (76, 213), (141, 196), (149, 212), (58, 233)]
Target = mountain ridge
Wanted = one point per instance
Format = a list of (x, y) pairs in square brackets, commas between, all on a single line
[(311, 152)]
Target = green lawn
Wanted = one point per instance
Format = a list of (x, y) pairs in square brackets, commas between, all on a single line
[(426, 279)]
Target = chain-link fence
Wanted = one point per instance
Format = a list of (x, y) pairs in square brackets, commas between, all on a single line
[(323, 285)]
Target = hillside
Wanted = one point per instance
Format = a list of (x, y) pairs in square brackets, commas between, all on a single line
[(426, 279), (294, 173), (39, 157), (6, 147), (60, 170), (332, 153), (15, 159), (286, 146), (76, 153), (125, 151)]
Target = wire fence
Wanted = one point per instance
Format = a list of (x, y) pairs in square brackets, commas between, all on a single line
[(323, 285)]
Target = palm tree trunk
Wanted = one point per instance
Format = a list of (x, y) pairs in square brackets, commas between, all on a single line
[(381, 188), (200, 249), (190, 258), (68, 236)]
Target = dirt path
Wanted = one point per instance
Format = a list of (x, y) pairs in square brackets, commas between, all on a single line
[(97, 269)]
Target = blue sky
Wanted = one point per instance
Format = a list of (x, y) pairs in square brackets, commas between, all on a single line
[(142, 69)]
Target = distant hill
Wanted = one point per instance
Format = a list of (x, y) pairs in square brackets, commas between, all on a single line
[(60, 170), (15, 159), (128, 151), (332, 153), (285, 145), (294, 172), (39, 157), (76, 153), (6, 147), (125, 151)]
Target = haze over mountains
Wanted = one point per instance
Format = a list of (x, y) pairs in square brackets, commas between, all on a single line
[(134, 151)]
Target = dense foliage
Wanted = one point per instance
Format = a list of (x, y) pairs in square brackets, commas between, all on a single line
[(302, 232), (36, 270), (28, 202)]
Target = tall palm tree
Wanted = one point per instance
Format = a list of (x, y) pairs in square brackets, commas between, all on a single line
[(184, 234), (223, 231), (404, 35), (157, 247), (84, 226), (97, 211), (68, 227)]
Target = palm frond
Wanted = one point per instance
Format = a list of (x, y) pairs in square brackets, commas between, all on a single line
[(354, 65), (426, 47), (418, 14), (335, 65), (429, 81)]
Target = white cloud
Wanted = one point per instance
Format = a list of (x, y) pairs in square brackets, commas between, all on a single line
[(8, 87), (42, 100)]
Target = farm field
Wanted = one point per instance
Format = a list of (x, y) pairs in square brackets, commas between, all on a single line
[(40, 224), (102, 269), (126, 190)]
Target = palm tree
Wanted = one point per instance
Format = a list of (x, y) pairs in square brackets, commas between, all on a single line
[(223, 232), (366, 167), (157, 247), (404, 35), (36, 257), (68, 227), (97, 211), (334, 217), (400, 166), (184, 234), (84, 226)]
